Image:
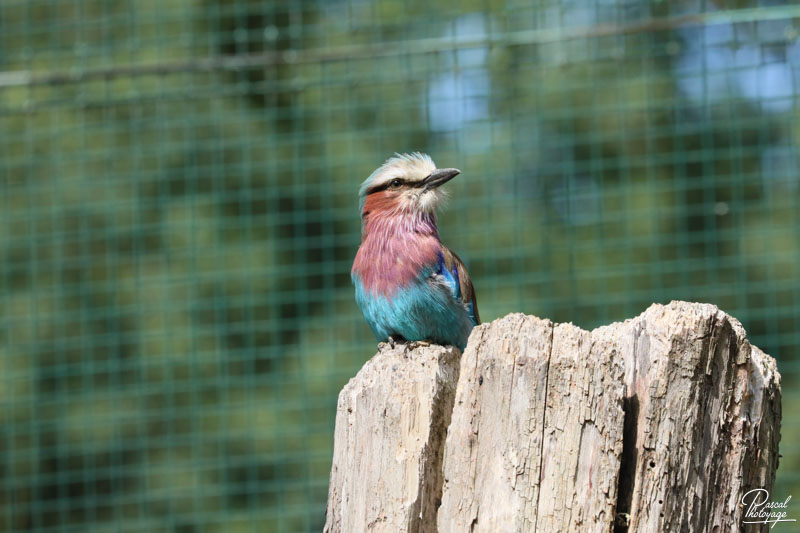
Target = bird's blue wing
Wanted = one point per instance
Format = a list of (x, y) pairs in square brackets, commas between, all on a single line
[(452, 269)]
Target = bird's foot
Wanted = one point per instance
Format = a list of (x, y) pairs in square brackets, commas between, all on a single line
[(412, 345), (408, 345)]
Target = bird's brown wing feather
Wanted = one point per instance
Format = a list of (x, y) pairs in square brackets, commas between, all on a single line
[(467, 289)]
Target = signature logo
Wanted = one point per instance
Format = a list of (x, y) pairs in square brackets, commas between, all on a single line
[(758, 509)]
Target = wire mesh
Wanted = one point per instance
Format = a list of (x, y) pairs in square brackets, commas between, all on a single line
[(178, 218)]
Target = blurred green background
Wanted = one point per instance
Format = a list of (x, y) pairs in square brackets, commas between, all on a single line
[(178, 217)]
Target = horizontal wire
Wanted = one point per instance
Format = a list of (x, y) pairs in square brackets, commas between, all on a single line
[(28, 78)]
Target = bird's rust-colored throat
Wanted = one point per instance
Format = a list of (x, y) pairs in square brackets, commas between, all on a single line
[(379, 202)]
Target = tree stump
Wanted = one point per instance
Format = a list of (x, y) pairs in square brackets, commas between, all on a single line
[(659, 423)]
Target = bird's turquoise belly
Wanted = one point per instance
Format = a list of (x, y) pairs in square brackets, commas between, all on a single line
[(423, 310)]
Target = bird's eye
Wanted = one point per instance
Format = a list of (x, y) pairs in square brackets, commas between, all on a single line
[(395, 183)]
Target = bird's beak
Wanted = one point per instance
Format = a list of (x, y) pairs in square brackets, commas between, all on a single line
[(439, 177)]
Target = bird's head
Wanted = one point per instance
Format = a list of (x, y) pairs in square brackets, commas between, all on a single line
[(405, 183)]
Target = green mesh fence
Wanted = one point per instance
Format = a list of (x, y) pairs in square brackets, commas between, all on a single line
[(178, 218)]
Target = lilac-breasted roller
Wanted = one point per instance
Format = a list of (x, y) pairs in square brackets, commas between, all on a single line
[(409, 285)]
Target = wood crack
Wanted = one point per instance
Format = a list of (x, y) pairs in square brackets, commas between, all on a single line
[(544, 424)]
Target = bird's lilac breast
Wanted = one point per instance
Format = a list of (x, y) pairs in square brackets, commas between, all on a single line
[(384, 265)]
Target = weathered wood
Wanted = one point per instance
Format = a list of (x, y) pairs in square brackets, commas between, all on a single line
[(501, 395), (391, 422), (659, 423), (536, 435), (703, 410)]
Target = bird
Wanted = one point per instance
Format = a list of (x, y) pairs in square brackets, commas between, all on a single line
[(410, 287)]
